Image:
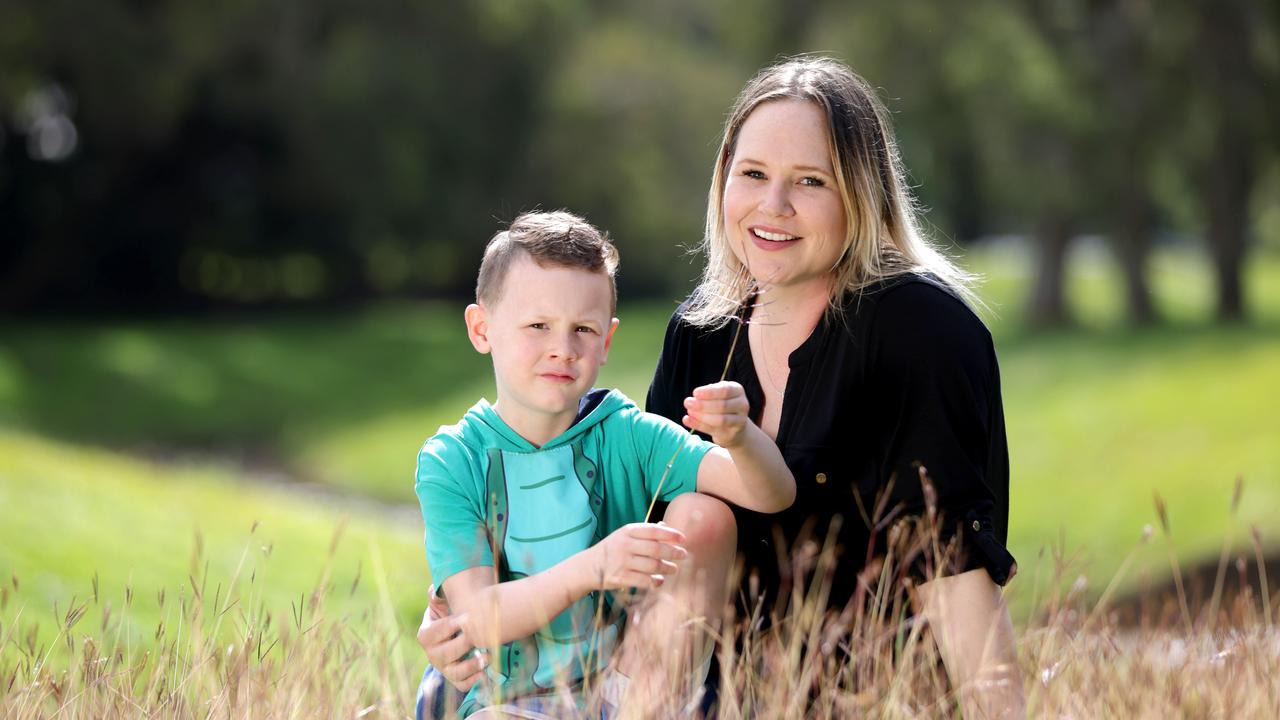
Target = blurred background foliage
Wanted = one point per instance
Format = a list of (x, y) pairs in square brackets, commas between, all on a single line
[(235, 239), (178, 157)]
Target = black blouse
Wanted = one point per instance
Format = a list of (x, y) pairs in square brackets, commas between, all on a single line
[(907, 378)]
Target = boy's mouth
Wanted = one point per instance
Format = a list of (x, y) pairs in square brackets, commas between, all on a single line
[(557, 377)]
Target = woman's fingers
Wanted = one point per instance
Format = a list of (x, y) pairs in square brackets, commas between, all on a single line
[(468, 683), (432, 632), (451, 651), (464, 674), (438, 607)]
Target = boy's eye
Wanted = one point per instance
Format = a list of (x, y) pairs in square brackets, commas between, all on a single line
[(538, 326), (584, 328)]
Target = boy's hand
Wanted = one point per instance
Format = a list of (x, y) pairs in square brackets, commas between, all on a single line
[(448, 650), (639, 555), (719, 410)]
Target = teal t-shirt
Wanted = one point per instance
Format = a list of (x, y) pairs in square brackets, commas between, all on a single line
[(480, 485)]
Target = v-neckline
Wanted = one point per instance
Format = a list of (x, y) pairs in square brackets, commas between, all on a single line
[(744, 364)]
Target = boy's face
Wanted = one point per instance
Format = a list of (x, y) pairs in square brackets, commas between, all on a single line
[(549, 333)]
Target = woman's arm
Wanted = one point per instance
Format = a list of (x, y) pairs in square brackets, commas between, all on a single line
[(491, 613), (448, 649), (970, 623)]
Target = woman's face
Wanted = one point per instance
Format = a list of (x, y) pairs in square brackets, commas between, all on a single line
[(783, 215)]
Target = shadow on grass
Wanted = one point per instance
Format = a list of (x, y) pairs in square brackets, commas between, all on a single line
[(229, 385), (250, 389)]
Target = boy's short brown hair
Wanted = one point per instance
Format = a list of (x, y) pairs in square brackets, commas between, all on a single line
[(557, 239)]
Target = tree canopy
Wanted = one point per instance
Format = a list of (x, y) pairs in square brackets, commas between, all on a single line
[(171, 156)]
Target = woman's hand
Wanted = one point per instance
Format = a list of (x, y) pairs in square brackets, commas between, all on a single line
[(639, 555), (719, 410), (448, 650)]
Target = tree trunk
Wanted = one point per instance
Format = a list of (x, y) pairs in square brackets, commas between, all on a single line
[(1226, 30), (1133, 247), (1048, 296), (966, 210), (1231, 179)]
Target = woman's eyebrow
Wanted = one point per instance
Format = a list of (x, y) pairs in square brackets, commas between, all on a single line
[(801, 168)]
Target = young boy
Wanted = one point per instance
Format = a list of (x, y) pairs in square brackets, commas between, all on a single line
[(535, 505)]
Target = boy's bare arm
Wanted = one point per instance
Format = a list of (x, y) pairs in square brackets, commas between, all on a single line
[(747, 469), (639, 555)]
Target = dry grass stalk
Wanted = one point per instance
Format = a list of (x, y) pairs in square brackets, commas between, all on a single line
[(223, 652)]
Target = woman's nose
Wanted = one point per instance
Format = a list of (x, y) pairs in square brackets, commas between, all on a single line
[(777, 200)]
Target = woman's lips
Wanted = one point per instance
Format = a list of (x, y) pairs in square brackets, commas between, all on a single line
[(769, 239)]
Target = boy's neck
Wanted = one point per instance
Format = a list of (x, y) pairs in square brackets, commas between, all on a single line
[(537, 428)]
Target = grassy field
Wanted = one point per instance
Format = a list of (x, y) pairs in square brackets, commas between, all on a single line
[(99, 529), (134, 435)]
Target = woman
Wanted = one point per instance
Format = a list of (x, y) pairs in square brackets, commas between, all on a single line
[(860, 358)]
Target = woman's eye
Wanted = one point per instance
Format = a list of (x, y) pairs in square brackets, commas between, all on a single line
[(812, 181), (753, 174)]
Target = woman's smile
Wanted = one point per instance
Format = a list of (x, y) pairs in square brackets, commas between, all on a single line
[(771, 239), (783, 213)]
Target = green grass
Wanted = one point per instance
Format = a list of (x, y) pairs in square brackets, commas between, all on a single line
[(1099, 417), (1102, 416), (77, 522)]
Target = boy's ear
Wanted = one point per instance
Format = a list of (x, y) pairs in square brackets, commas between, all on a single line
[(608, 339), (477, 319)]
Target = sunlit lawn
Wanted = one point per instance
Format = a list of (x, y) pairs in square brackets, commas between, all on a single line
[(1099, 418), (95, 528)]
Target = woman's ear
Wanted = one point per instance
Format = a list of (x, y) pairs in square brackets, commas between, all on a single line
[(477, 319)]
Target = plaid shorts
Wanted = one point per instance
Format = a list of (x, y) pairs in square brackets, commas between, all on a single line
[(439, 700)]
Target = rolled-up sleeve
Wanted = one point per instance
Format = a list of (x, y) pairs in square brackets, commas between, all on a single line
[(935, 369)]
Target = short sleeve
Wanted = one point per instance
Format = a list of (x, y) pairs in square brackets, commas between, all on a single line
[(937, 378), (659, 442), (455, 535)]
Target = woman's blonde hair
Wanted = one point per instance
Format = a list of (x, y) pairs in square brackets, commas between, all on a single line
[(884, 237)]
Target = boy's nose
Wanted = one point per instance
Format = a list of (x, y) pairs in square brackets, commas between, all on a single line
[(564, 348)]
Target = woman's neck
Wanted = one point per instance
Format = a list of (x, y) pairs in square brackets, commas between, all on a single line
[(798, 307)]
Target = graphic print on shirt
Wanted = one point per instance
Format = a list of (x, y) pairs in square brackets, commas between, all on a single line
[(558, 488)]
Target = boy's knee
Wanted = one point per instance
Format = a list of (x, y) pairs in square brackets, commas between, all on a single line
[(704, 520)]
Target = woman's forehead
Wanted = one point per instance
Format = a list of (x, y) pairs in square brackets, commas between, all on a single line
[(794, 131)]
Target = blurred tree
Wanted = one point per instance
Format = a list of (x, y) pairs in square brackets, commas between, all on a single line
[(1131, 88), (626, 133), (1236, 69), (166, 155), (251, 152)]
